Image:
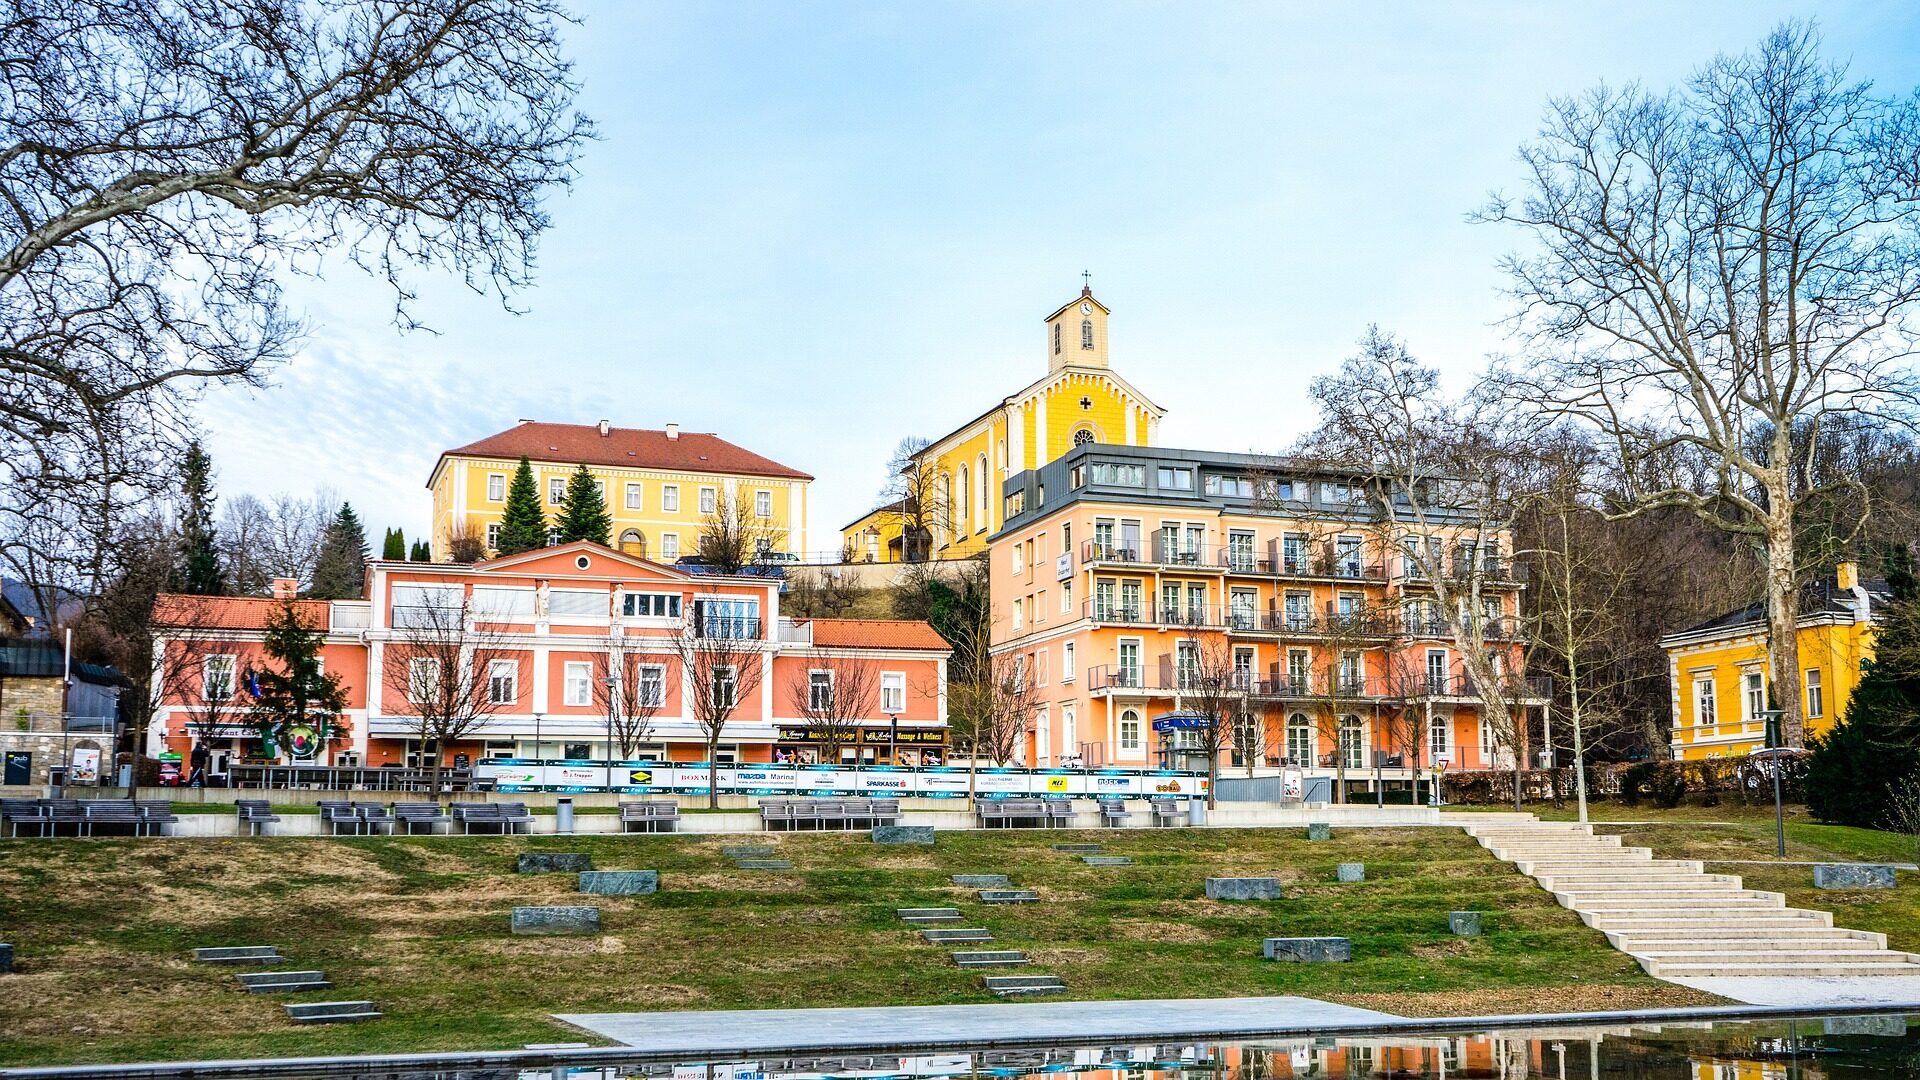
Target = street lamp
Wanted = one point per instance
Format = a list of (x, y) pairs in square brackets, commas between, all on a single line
[(537, 759), (1774, 753), (612, 684)]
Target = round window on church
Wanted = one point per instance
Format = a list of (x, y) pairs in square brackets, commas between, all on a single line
[(1082, 437)]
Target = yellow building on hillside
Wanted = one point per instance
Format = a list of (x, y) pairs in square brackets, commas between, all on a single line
[(660, 485), (1718, 669), (1079, 400)]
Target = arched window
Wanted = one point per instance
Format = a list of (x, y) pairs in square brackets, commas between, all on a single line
[(966, 493), (1086, 333), (634, 542), (1300, 739), (1082, 437), (1129, 730), (980, 485), (1353, 741), (946, 495), (1056, 339)]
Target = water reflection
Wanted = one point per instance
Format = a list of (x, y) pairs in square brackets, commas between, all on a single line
[(1843, 1048)]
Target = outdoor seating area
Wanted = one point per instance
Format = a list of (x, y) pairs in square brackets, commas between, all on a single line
[(254, 815), (1025, 813), (1166, 811), (87, 817), (650, 816), (503, 817), (410, 816), (359, 818), (828, 813)]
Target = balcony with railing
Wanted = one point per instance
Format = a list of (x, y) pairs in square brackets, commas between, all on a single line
[(1321, 686), (727, 627), (1461, 686)]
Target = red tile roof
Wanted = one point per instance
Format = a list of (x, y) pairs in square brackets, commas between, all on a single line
[(230, 612), (877, 634), (645, 448)]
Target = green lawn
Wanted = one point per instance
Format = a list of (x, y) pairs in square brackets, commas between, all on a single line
[(103, 931)]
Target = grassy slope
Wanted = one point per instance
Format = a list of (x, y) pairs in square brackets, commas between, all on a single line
[(103, 929)]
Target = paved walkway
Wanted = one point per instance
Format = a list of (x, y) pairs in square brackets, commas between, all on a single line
[(791, 1030), (1811, 989)]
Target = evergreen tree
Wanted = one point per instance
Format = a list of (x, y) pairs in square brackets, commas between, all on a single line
[(199, 570), (583, 514), (294, 692), (395, 546), (421, 552), (340, 569), (523, 526), (1876, 743)]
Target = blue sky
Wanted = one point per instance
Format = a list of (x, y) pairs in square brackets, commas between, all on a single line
[(814, 228)]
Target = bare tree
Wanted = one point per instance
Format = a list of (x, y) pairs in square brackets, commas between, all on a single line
[(245, 523), (196, 667), (1437, 482), (1721, 270), (917, 500), (629, 690), (820, 592), (720, 659), (839, 692), (733, 537), (295, 527), (991, 699), (162, 166), (1208, 693), (440, 666)]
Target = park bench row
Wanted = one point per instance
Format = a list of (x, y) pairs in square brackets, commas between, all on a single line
[(366, 818), (1058, 813), (87, 817), (828, 813)]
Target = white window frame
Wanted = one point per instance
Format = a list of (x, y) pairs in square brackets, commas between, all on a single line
[(1066, 662), (556, 490), (893, 692), (669, 546), (1130, 728), (820, 689), (1439, 734), (1706, 702), (709, 499), (1753, 696), (1303, 740), (576, 682), (631, 603), (1816, 694), (423, 678), (1019, 612), (670, 498), (231, 663), (652, 685), (496, 487), (636, 496), (1019, 559), (495, 681), (763, 505), (493, 535), (728, 676)]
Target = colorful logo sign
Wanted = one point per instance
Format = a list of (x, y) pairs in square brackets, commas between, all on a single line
[(1056, 783), (303, 741), (640, 776)]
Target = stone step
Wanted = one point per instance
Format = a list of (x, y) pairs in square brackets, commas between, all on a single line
[(1631, 920), (1078, 849), (1676, 882), (240, 954), (1850, 947), (748, 851), (1673, 969), (1009, 896), (957, 936), (980, 881), (283, 982), (1758, 937), (1746, 900), (332, 1012), (764, 864), (1599, 899), (1106, 860), (1023, 985), (1547, 869), (928, 914), (990, 958)]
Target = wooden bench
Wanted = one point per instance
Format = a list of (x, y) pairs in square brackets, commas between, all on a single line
[(17, 812), (1166, 811), (502, 816), (157, 814), (1113, 812), (820, 813), (254, 814), (1011, 813), (409, 814), (650, 816)]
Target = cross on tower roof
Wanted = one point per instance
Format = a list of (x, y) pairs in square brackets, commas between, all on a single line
[(1086, 283)]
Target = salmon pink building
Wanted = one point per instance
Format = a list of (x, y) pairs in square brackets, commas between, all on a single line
[(552, 641)]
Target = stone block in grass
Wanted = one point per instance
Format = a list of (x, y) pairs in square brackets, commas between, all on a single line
[(1852, 876), (620, 882), (1319, 830), (1351, 871), (980, 881), (556, 919), (554, 862), (902, 834), (1309, 950), (1243, 888), (1464, 923)]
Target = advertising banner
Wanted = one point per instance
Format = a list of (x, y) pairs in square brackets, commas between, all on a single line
[(86, 766), (827, 781)]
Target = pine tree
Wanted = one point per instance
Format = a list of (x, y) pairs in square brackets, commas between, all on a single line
[(523, 526), (340, 569), (1852, 768), (199, 570), (421, 552), (583, 514), (395, 546), (294, 692)]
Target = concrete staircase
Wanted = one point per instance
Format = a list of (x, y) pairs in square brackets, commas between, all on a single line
[(1675, 919)]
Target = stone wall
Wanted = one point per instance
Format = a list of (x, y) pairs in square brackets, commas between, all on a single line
[(42, 696), (54, 748)]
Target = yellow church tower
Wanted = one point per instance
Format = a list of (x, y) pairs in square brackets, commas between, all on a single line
[(1080, 399)]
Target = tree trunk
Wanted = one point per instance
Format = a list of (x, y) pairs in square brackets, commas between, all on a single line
[(1579, 742), (713, 772), (1783, 614)]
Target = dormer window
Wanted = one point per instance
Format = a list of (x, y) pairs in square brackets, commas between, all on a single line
[(1086, 333)]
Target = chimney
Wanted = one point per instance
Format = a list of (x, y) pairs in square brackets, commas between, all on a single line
[(1846, 576), (285, 588), (526, 419), (673, 431), (604, 428)]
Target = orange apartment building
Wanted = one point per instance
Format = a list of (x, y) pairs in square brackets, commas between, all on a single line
[(1121, 569), (544, 620)]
